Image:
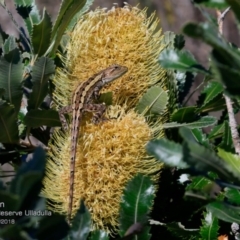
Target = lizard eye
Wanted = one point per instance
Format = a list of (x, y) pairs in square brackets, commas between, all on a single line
[(115, 67)]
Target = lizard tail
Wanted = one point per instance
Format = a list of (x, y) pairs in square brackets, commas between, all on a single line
[(74, 140)]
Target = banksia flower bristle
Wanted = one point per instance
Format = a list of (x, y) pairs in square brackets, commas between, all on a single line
[(124, 36), (109, 154), (112, 152)]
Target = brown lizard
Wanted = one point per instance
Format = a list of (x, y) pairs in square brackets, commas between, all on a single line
[(83, 101)]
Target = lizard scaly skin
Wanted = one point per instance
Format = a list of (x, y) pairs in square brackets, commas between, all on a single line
[(83, 101)]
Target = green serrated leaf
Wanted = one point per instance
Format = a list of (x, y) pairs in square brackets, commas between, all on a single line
[(199, 183), (216, 104), (28, 187), (52, 227), (223, 212), (36, 118), (201, 123), (137, 201), (65, 4), (179, 231), (184, 81), (189, 134), (99, 235), (212, 3), (179, 42), (225, 58), (172, 86), (64, 19), (175, 78), (9, 44), (167, 151), (232, 160), (37, 165), (180, 60), (234, 207), (232, 195), (23, 2), (8, 124), (227, 74), (24, 8), (81, 224), (41, 71), (209, 34), (33, 19), (26, 55), (217, 131), (41, 34), (79, 14), (185, 114), (3, 36), (227, 141), (210, 227), (212, 90), (27, 183), (199, 31), (153, 101), (11, 71), (200, 137), (205, 160)]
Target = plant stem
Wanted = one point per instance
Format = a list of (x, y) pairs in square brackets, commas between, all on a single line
[(232, 120)]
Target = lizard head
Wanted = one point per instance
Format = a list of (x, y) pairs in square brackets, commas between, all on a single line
[(113, 72)]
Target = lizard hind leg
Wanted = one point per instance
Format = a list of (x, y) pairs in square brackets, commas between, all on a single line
[(97, 110), (63, 120)]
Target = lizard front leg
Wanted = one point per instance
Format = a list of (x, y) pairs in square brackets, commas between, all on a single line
[(61, 113), (97, 110)]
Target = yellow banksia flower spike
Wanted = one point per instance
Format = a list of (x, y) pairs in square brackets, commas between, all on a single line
[(111, 153)]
